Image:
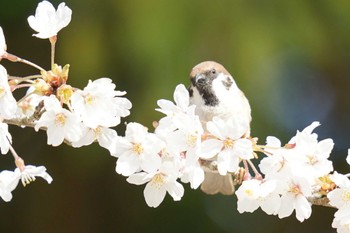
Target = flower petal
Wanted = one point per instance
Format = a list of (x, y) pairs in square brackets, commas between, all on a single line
[(210, 148), (154, 195), (176, 190), (138, 178)]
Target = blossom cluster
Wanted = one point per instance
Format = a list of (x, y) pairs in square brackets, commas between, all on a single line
[(176, 150), (291, 176), (215, 155), (68, 114), (340, 198), (182, 149)]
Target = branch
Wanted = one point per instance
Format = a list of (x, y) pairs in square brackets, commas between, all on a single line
[(22, 122), (321, 201)]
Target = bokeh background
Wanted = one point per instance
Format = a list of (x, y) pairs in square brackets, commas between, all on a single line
[(291, 58)]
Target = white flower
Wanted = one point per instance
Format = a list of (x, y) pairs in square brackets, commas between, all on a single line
[(187, 137), (228, 145), (253, 194), (10, 179), (8, 182), (99, 104), (302, 155), (137, 150), (294, 197), (174, 112), (340, 196), (275, 166), (60, 123), (248, 196), (192, 172), (30, 172), (3, 45), (47, 21), (8, 104), (27, 106), (348, 157), (185, 144), (159, 183), (343, 226), (182, 101), (270, 200), (5, 138), (342, 220), (312, 155), (104, 136)]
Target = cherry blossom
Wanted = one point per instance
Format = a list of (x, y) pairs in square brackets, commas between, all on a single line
[(137, 150), (174, 112), (98, 104), (8, 182), (182, 148), (159, 183), (103, 135), (3, 46), (253, 194), (228, 145), (5, 138), (340, 198), (294, 197), (10, 179), (60, 123), (7, 101), (47, 21)]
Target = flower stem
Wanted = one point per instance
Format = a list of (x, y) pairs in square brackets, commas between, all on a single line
[(15, 58), (53, 43), (21, 86), (323, 201), (27, 78), (256, 172), (18, 160), (247, 175)]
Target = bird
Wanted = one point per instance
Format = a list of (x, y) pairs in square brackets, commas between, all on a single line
[(215, 93)]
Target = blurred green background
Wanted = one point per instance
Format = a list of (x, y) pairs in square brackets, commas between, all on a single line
[(291, 58)]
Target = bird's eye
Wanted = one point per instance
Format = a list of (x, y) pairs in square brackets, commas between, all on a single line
[(213, 71)]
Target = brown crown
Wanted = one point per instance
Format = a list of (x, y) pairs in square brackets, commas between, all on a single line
[(207, 66)]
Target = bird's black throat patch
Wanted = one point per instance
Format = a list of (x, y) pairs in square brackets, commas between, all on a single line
[(190, 91), (209, 97), (205, 87)]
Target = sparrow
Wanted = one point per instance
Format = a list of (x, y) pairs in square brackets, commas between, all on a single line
[(215, 93)]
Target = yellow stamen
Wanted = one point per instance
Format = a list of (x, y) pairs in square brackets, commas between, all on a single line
[(312, 159), (60, 119), (295, 190), (249, 192), (137, 148), (2, 91), (158, 180), (64, 93), (192, 139), (26, 179), (346, 196), (89, 99), (228, 143)]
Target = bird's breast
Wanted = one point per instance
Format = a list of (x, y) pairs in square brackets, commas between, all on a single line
[(230, 104)]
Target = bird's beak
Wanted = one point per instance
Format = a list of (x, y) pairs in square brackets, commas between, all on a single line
[(201, 79)]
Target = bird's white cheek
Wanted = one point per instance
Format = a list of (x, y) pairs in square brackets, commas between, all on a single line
[(204, 112), (196, 98), (221, 91)]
